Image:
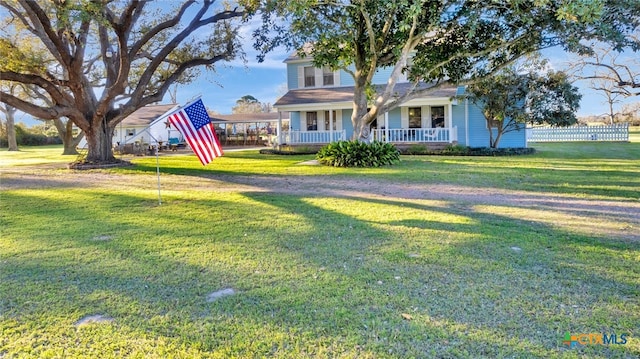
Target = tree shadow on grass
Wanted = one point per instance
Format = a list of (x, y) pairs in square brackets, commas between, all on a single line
[(479, 286), (314, 277)]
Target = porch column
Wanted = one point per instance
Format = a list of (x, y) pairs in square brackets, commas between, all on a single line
[(386, 127), (279, 128), (450, 109), (330, 126)]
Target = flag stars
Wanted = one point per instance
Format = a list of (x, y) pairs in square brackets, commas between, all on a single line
[(198, 115)]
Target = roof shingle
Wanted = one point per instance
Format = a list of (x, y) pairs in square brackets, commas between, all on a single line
[(309, 96)]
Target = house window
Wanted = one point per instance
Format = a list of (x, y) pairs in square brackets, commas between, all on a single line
[(312, 121), (309, 76), (131, 131), (327, 76), (326, 120), (437, 116), (415, 117)]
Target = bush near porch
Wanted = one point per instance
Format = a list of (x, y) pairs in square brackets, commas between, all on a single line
[(358, 154)]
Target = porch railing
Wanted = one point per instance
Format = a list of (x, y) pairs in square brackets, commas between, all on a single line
[(407, 135), (310, 137)]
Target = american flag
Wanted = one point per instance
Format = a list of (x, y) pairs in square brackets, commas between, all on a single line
[(194, 124)]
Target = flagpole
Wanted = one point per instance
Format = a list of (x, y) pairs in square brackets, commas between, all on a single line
[(158, 173), (157, 164), (165, 115)]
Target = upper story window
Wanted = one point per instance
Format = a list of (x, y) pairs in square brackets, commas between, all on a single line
[(327, 77), (309, 76)]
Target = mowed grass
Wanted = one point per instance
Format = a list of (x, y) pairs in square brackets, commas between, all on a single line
[(318, 275)]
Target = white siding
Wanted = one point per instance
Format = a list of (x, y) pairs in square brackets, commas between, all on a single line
[(404, 117), (300, 77)]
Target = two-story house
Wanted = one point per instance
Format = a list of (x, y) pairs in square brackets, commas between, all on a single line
[(320, 104)]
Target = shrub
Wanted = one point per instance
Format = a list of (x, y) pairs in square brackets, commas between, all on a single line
[(456, 150), (487, 151), (358, 154), (27, 137), (416, 149)]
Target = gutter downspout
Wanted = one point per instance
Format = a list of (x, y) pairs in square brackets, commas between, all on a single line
[(450, 109), (279, 129)]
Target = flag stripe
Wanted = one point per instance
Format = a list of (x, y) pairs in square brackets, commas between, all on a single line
[(190, 135), (198, 131)]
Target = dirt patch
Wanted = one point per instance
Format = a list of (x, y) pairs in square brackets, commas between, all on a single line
[(602, 217)]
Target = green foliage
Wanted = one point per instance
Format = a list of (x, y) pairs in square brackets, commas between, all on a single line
[(358, 154), (488, 151), (30, 137), (455, 150), (447, 42), (416, 149), (460, 150), (21, 57), (511, 98)]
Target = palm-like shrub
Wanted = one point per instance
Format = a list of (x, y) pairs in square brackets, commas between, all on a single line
[(358, 154)]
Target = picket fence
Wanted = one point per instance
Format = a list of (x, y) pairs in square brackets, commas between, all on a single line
[(615, 132)]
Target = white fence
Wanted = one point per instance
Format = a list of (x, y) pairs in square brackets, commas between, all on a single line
[(295, 137), (616, 132), (408, 135)]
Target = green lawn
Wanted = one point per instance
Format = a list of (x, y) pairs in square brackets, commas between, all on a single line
[(390, 268)]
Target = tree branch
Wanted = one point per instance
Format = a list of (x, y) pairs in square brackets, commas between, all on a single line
[(45, 31), (48, 113), (53, 91), (196, 23)]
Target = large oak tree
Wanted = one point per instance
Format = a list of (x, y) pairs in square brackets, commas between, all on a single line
[(433, 42), (114, 56)]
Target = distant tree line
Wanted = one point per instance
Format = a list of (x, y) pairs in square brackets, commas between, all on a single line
[(37, 135), (630, 114)]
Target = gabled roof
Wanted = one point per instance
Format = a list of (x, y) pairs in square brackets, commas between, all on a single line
[(294, 56), (305, 96), (316, 95), (146, 115)]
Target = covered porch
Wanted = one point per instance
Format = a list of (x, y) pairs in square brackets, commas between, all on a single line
[(249, 129), (323, 115)]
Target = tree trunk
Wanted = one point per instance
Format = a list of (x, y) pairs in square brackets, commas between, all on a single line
[(99, 142), (70, 144), (495, 142), (360, 116), (11, 129), (612, 115), (491, 142), (65, 132)]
